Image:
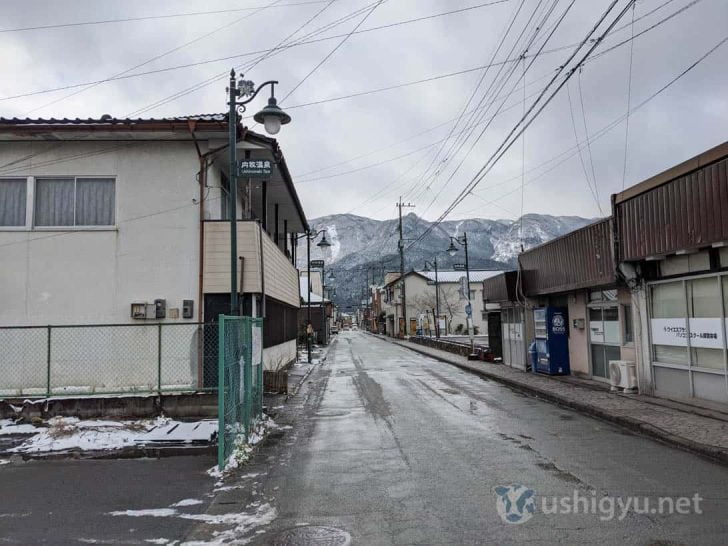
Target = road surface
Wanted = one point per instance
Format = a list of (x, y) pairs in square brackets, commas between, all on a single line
[(388, 447), (398, 448)]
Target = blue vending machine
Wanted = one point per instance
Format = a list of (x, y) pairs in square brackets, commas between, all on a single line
[(552, 340)]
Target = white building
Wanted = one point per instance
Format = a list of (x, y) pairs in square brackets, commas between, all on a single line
[(98, 215), (422, 302)]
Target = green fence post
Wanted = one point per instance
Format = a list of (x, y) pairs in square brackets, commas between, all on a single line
[(221, 393), (48, 364), (159, 359), (248, 374)]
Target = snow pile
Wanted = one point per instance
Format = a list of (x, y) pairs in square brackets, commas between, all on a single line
[(242, 449), (70, 433), (243, 522), (8, 426)]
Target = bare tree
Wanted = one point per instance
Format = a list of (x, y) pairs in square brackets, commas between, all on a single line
[(449, 302)]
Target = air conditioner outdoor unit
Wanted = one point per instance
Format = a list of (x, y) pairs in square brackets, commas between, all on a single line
[(623, 375)]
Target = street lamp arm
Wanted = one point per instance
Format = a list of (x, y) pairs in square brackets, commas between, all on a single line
[(245, 89)]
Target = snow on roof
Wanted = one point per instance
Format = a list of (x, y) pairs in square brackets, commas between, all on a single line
[(454, 276)]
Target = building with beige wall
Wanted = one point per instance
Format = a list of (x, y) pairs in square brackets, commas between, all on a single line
[(422, 302), (97, 215)]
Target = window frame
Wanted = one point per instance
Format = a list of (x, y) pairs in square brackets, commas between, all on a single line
[(30, 224), (29, 196)]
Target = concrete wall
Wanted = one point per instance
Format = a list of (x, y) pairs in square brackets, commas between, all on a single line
[(92, 275), (276, 357)]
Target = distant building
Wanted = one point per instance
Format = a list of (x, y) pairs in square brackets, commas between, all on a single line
[(648, 286)]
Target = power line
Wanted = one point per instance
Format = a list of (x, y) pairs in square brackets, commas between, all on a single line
[(221, 75), (524, 122), (569, 153), (334, 50), (157, 57), (604, 130), (504, 81), (155, 17), (629, 103), (581, 157), (596, 135), (327, 38)]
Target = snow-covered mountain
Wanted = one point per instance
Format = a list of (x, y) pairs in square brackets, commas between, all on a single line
[(360, 244)]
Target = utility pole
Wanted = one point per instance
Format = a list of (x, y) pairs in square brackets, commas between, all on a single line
[(400, 206)]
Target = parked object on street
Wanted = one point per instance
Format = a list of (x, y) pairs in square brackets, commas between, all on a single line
[(552, 341)]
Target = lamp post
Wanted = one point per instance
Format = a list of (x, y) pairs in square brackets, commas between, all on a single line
[(437, 297), (324, 245), (452, 250), (272, 117)]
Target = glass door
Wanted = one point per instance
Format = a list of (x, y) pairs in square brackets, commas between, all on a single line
[(604, 331)]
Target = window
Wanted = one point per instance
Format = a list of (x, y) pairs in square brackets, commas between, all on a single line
[(596, 296), (13, 195), (74, 202), (627, 332), (704, 303)]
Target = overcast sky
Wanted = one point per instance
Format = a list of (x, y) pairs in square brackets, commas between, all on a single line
[(397, 132)]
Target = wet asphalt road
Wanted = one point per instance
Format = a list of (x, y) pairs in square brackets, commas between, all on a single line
[(70, 501), (396, 448), (390, 447)]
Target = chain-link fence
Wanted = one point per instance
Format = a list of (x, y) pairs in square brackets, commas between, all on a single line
[(108, 359), (240, 381)]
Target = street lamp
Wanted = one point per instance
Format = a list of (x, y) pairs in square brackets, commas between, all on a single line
[(452, 250), (437, 296), (324, 245), (272, 117)]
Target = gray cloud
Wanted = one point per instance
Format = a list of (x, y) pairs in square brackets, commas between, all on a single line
[(686, 119)]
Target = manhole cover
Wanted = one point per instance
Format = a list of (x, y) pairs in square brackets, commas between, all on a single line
[(309, 534)]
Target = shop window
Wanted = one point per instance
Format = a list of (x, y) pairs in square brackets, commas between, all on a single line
[(704, 303), (704, 298), (668, 302)]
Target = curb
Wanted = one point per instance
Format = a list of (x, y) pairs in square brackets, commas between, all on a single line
[(635, 425), (132, 452)]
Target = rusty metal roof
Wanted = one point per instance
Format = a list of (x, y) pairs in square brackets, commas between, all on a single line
[(580, 259)]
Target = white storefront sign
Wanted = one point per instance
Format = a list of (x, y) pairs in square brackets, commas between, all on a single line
[(706, 333), (257, 349)]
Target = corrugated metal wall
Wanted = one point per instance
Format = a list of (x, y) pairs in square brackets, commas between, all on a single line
[(683, 214), (501, 287), (580, 259)]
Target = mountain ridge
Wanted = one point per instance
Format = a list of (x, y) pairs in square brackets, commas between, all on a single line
[(363, 248)]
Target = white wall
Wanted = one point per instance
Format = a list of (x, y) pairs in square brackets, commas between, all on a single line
[(92, 276), (278, 356)]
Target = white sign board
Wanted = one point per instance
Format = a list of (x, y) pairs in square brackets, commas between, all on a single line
[(257, 349), (704, 332)]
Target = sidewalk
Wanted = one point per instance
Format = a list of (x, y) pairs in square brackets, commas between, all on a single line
[(700, 431)]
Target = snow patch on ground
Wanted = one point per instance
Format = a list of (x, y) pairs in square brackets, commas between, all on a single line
[(70, 433), (187, 502), (242, 522), (8, 426), (149, 512)]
